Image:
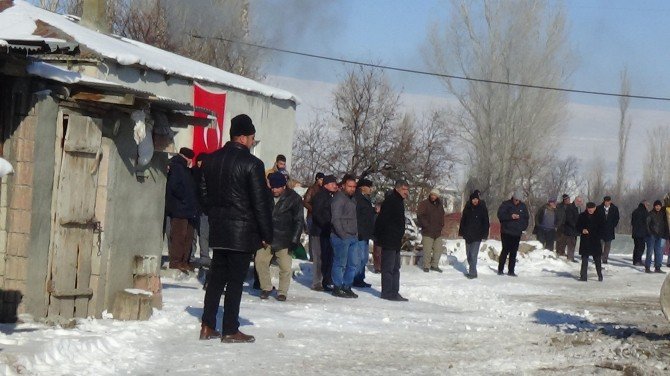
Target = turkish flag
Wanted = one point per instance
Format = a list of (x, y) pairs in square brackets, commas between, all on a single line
[(206, 140)]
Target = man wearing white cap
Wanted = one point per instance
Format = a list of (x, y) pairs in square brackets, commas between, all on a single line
[(430, 217)]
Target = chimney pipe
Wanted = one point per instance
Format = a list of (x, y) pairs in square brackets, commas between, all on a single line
[(94, 15)]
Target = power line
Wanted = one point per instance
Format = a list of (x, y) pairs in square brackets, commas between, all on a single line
[(434, 74)]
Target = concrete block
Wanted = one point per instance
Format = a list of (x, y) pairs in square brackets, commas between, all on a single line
[(150, 283), (145, 265), (19, 221), (132, 305), (21, 197), (25, 150), (23, 173), (17, 244), (17, 268)]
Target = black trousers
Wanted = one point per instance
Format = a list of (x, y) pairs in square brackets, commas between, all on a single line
[(638, 249), (326, 260), (228, 271), (585, 266), (390, 273), (547, 238), (510, 245)]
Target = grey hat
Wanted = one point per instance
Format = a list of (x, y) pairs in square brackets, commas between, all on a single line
[(518, 194), (435, 192)]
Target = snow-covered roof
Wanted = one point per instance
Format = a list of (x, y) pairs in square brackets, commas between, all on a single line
[(19, 22)]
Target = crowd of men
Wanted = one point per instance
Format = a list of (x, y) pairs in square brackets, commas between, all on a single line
[(241, 212)]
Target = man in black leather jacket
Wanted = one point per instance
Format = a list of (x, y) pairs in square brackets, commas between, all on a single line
[(287, 222), (239, 204)]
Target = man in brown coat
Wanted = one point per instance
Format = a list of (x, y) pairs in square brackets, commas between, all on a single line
[(430, 217)]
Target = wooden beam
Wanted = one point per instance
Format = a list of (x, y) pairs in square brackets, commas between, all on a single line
[(72, 293), (122, 99)]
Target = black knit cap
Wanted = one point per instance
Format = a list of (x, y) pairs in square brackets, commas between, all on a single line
[(565, 195), (658, 202), (319, 175), (329, 179), (241, 125), (186, 152), (364, 183)]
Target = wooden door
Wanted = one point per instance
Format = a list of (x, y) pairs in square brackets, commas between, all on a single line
[(75, 228)]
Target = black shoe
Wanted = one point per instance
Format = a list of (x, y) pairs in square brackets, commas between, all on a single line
[(582, 279), (605, 262), (426, 270), (658, 270), (399, 298), (281, 298), (600, 278), (647, 270), (500, 272), (340, 293), (471, 276), (348, 291), (362, 284), (327, 288), (436, 269), (512, 275)]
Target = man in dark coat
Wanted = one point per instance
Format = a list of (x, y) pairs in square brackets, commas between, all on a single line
[(545, 224), (203, 226), (389, 230), (474, 228), (610, 216), (181, 199), (513, 216), (566, 221), (638, 223), (430, 217), (322, 250), (657, 226), (287, 225), (239, 204), (365, 216), (307, 203), (590, 225)]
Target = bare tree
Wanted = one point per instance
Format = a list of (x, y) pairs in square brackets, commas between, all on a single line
[(504, 127), (656, 175), (596, 181), (624, 130), (365, 111), (313, 151)]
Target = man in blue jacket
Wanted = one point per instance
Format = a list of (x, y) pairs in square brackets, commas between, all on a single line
[(513, 217), (182, 207)]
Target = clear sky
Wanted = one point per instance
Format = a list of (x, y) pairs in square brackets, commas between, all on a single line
[(605, 34)]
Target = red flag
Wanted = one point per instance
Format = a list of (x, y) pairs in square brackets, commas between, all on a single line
[(207, 140)]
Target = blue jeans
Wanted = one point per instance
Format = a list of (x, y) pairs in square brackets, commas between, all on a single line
[(345, 260), (363, 257), (655, 244)]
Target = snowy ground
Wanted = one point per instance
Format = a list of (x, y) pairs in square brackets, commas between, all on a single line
[(544, 322)]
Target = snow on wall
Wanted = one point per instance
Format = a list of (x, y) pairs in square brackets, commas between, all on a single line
[(19, 22)]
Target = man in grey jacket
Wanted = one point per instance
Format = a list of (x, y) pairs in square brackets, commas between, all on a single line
[(344, 238)]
